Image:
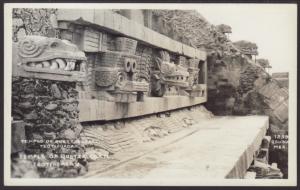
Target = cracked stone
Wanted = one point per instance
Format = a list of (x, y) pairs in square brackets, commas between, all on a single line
[(69, 100)]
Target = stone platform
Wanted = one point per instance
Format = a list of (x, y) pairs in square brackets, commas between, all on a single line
[(220, 147), (91, 110)]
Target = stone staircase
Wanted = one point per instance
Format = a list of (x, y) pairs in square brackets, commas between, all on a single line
[(102, 141)]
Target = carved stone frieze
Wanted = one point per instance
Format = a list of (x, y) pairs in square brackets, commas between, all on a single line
[(125, 69)]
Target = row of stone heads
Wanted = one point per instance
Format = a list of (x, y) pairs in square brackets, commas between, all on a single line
[(60, 59), (51, 54)]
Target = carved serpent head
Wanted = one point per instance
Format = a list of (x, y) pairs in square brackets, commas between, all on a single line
[(49, 53)]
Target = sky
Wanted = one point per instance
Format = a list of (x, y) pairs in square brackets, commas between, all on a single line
[(272, 27)]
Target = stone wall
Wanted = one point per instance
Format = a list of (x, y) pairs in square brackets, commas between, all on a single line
[(48, 108), (33, 22), (50, 112)]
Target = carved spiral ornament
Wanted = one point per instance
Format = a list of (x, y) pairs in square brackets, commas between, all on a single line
[(28, 48)]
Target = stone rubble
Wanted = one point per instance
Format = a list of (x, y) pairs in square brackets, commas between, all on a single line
[(266, 171)]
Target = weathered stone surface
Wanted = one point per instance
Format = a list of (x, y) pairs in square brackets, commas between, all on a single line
[(78, 129), (69, 107), (18, 134), (55, 91), (23, 168), (105, 18), (26, 105), (282, 79), (50, 135), (36, 136), (69, 134), (51, 107), (33, 22), (31, 116), (282, 112)]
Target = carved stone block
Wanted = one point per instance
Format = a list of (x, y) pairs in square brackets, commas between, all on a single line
[(181, 60), (281, 112), (198, 90), (92, 40), (126, 45), (116, 77), (106, 76), (48, 58)]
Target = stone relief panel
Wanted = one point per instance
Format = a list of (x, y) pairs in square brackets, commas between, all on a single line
[(145, 62)]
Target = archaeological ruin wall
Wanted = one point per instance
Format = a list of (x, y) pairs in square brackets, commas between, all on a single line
[(96, 65), (131, 64)]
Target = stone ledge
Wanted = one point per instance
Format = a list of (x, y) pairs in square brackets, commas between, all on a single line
[(91, 110)]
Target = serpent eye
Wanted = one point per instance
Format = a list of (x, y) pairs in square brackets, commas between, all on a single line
[(120, 78), (53, 44)]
